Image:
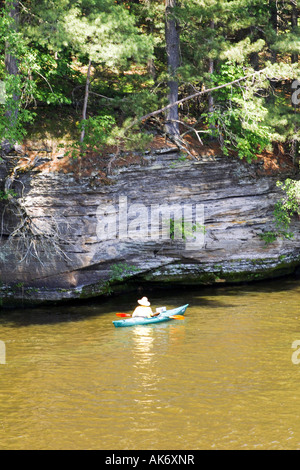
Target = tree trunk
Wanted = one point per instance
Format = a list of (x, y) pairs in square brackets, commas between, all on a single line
[(274, 22), (150, 29), (86, 99), (211, 69), (295, 58), (294, 22), (173, 55), (11, 66)]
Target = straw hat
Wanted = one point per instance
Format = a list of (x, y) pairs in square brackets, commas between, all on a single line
[(144, 302)]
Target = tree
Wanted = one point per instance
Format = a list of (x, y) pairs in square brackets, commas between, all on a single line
[(15, 74), (92, 32), (104, 33), (86, 98), (122, 58), (295, 58), (11, 15), (273, 6), (173, 60), (294, 27)]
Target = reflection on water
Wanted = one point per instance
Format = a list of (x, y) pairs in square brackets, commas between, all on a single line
[(221, 379), (146, 380), (143, 357), (143, 339)]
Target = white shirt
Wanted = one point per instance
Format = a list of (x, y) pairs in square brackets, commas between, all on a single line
[(142, 312)]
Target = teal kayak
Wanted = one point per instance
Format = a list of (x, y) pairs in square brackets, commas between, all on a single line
[(162, 317)]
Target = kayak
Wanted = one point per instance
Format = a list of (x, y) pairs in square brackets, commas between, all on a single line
[(162, 317)]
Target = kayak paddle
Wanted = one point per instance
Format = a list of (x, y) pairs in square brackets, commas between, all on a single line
[(122, 315), (178, 317)]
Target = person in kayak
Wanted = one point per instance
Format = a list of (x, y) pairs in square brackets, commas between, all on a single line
[(144, 309)]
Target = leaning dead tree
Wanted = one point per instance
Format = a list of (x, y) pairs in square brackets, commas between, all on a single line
[(253, 82)]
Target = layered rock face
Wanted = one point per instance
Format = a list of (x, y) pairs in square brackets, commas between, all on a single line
[(168, 222)]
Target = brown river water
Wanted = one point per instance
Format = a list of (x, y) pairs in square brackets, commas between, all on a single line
[(226, 377)]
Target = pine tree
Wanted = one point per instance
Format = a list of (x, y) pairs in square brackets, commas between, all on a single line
[(101, 33), (229, 50), (172, 49)]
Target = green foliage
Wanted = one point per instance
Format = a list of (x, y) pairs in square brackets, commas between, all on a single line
[(102, 130), (220, 30), (289, 205), (13, 114), (106, 32), (239, 114), (4, 196), (119, 271), (51, 78), (268, 237), (285, 209), (54, 41), (98, 130), (187, 230), (237, 36)]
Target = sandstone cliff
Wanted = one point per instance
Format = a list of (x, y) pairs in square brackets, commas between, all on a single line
[(67, 258)]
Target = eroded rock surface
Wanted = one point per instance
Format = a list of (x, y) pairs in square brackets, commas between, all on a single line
[(74, 261)]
